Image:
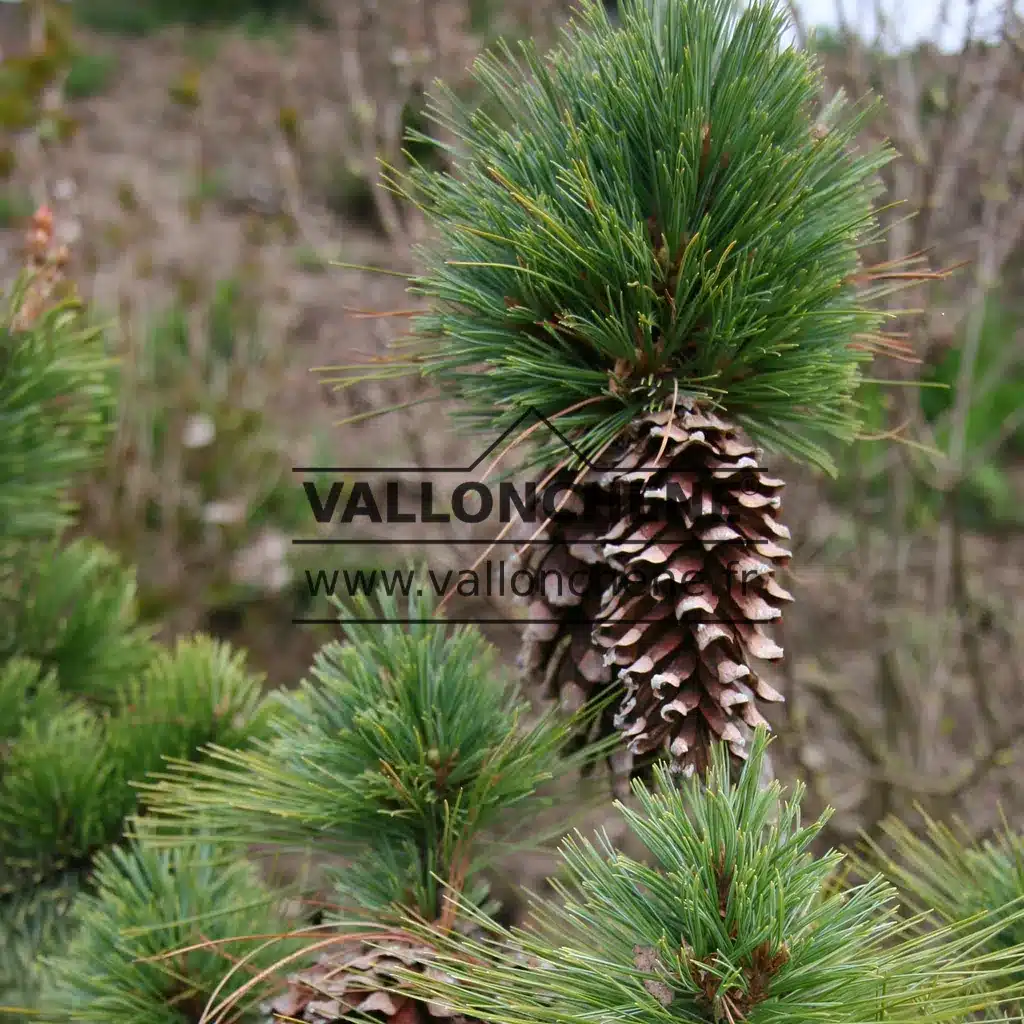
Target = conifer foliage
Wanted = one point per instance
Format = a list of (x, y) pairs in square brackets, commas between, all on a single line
[(158, 932), (89, 703), (958, 878), (56, 399), (654, 244), (668, 211), (404, 746), (729, 917), (660, 254), (407, 754)]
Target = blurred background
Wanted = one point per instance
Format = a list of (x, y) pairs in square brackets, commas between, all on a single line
[(206, 160)]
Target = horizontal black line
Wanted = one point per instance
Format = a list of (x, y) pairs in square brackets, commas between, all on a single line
[(368, 470), (492, 447), (604, 470), (335, 541), (382, 469), (315, 542), (520, 622)]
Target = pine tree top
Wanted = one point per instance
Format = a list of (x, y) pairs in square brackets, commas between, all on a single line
[(651, 211)]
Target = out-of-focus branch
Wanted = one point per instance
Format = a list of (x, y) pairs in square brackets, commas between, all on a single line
[(46, 261), (797, 21), (289, 177), (954, 157), (366, 112)]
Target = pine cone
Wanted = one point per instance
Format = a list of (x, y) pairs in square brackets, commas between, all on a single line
[(350, 983), (656, 575)]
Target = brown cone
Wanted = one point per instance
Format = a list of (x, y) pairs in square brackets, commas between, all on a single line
[(349, 984), (673, 544)]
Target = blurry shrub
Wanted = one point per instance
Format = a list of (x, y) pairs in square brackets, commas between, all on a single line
[(827, 39), (994, 428), (89, 75), (481, 14), (25, 75), (137, 17), (196, 470), (348, 193), (186, 92), (998, 383), (15, 206)]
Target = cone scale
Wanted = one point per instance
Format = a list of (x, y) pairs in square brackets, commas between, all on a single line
[(360, 981), (679, 589)]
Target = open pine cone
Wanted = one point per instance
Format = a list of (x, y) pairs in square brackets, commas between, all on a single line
[(350, 982), (657, 575)]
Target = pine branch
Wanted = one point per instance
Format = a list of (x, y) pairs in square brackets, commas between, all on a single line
[(197, 693), (56, 402), (60, 797), (956, 880), (733, 918), (66, 776), (33, 924), (27, 693), (88, 703), (74, 611), (126, 964), (403, 747)]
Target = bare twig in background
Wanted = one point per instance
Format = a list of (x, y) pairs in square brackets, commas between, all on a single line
[(946, 697), (366, 112), (799, 28), (285, 161)]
